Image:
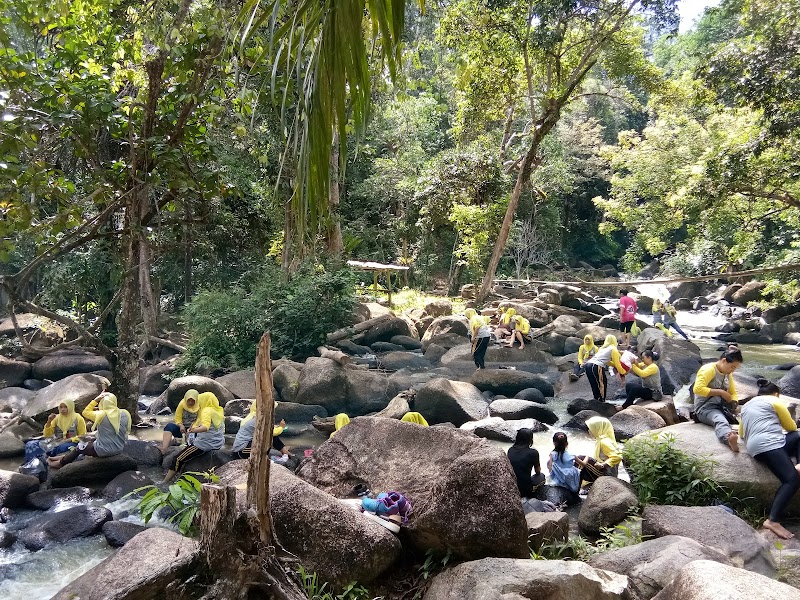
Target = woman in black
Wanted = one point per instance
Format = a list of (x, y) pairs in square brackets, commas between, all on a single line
[(525, 460)]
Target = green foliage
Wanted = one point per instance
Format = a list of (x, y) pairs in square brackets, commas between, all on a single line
[(318, 590), (435, 561), (663, 474), (225, 326), (628, 533), (182, 498)]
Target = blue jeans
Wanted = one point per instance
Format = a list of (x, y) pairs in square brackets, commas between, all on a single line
[(61, 448)]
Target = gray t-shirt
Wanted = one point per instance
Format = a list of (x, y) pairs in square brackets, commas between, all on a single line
[(213, 439), (244, 437), (762, 427), (653, 383), (109, 442), (603, 356)]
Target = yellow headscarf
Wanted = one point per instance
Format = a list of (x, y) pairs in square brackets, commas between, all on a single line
[(414, 417), (64, 422), (588, 341), (209, 404), (611, 340), (108, 408), (190, 394), (601, 428), (506, 318), (340, 421), (469, 313), (276, 429)]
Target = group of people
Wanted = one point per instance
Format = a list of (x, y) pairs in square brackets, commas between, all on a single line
[(573, 473), (509, 325)]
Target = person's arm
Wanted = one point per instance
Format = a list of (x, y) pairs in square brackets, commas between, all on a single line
[(613, 457), (732, 390), (537, 468), (279, 428), (550, 462), (615, 355), (90, 414), (582, 352), (81, 428), (644, 372), (704, 378), (179, 414), (205, 422), (787, 422), (50, 426)]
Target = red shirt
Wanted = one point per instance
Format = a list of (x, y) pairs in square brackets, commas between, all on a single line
[(627, 307)]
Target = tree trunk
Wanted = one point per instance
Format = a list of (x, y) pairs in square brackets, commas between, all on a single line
[(187, 260), (148, 300), (334, 237)]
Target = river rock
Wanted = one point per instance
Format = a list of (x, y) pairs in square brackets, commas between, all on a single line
[(566, 325), (365, 392), (146, 454), (652, 565), (82, 388), (64, 363), (777, 332), (15, 398), (633, 421), (48, 499), (443, 401), (380, 347), (299, 413), (684, 289), (531, 395), (508, 382), (709, 580), (678, 358), (749, 292), (242, 384), (572, 345), (509, 408), (714, 527), (462, 488), (141, 569), (790, 383), (598, 333), (557, 495), (663, 408), (546, 528), (385, 330), (351, 347), (578, 421), (407, 342), (59, 527), (609, 502), (508, 579), (238, 408), (538, 317), (205, 462), (119, 533), (604, 409), (13, 372), (324, 382), (286, 380), (232, 425), (395, 361), (439, 308), (346, 545), (178, 388), (10, 445), (91, 471), (15, 487), (555, 343), (124, 484), (153, 380), (495, 428)]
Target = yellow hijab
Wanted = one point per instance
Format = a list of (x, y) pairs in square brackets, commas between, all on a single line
[(601, 428), (108, 409), (588, 341), (209, 404), (194, 394), (340, 421), (64, 422), (414, 417), (611, 340), (252, 414), (469, 313)]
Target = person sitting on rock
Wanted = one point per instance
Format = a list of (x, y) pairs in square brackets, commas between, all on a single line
[(414, 417), (607, 453), (504, 327), (185, 416), (650, 374), (596, 366), (525, 461), (561, 465), (764, 419), (480, 334), (521, 332), (111, 427), (714, 389), (671, 319), (207, 433), (585, 352), (339, 421), (64, 427), (243, 443)]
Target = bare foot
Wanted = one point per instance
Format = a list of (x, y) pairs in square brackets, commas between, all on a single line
[(797, 467), (619, 408), (522, 347), (733, 441), (54, 463), (778, 529)]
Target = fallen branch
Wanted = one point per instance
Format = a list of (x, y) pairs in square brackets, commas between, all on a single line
[(346, 332)]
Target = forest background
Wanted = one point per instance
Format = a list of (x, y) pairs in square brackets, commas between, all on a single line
[(221, 160)]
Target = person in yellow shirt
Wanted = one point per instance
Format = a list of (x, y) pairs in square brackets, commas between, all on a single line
[(208, 430), (242, 444), (504, 327), (185, 416), (714, 392), (521, 331), (607, 453), (650, 374), (607, 356), (65, 427), (480, 334), (585, 352)]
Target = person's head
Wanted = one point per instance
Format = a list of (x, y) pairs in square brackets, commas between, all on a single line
[(108, 401), (63, 408), (560, 442), (623, 292), (588, 341), (600, 427), (767, 388), (730, 361), (611, 340), (649, 357), (524, 438), (208, 400), (469, 313), (190, 397), (510, 312)]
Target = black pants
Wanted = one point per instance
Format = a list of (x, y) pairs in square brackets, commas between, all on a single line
[(596, 374), (245, 452), (633, 391), (528, 488), (591, 472), (75, 452), (186, 455), (479, 355), (779, 461)]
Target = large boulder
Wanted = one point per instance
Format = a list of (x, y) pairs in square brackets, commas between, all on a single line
[(47, 499), (652, 565), (64, 363), (604, 409), (92, 471), (119, 533), (242, 384), (685, 289), (714, 527), (511, 408), (239, 408), (10, 445), (409, 343), (286, 380), (508, 579), (125, 483), (154, 380), (749, 292), (462, 488), (13, 372), (299, 413), (501, 354), (546, 528), (329, 537), (790, 383), (323, 381), (82, 389), (141, 570), (508, 382), (737, 472), (537, 316), (444, 401), (453, 328), (531, 395), (146, 454), (386, 330), (439, 308), (579, 420), (366, 392), (15, 398), (395, 361), (59, 527), (495, 428), (635, 420), (709, 580), (609, 502), (679, 360), (556, 343), (598, 333), (178, 388), (777, 332), (15, 487)]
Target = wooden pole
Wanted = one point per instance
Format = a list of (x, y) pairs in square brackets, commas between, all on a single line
[(258, 476), (217, 519)]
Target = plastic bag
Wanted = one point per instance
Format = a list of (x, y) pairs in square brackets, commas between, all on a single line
[(635, 329), (36, 467)]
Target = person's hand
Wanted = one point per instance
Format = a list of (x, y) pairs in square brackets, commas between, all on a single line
[(51, 418), (282, 423), (182, 427), (600, 465), (725, 396)]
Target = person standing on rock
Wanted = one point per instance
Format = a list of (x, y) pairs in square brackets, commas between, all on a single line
[(714, 389), (585, 352), (111, 426), (185, 416), (208, 430), (764, 419), (607, 453), (480, 333), (65, 427), (650, 374), (627, 316), (658, 317), (596, 366), (525, 461), (671, 319)]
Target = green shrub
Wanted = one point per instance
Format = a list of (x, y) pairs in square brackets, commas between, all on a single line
[(225, 326), (663, 474)]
